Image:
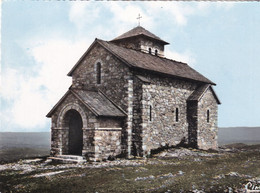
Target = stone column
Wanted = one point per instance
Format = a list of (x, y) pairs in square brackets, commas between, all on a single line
[(130, 116)]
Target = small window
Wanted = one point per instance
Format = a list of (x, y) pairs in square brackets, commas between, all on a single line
[(150, 113), (98, 72), (156, 52), (177, 115), (208, 116), (150, 50)]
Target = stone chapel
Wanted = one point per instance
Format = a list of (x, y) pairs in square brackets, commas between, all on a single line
[(127, 98)]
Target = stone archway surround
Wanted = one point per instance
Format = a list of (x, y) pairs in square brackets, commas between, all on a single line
[(63, 127)]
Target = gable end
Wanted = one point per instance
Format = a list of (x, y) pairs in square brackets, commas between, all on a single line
[(200, 91)]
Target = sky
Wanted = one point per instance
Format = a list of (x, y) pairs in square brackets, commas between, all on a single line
[(42, 40)]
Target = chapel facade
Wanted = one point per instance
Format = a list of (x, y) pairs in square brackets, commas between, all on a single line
[(127, 99)]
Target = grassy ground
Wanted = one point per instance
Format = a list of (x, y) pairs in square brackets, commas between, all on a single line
[(14, 154), (222, 172)]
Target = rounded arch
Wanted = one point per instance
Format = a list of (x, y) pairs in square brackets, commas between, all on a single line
[(72, 120), (156, 52), (150, 50), (68, 107), (99, 61)]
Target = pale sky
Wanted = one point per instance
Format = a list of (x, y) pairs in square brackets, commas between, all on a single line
[(42, 40)]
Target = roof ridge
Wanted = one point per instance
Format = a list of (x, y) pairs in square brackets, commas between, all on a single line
[(137, 31), (58, 103), (205, 88), (109, 42), (101, 42), (75, 66), (118, 107), (111, 47), (200, 91), (82, 93), (81, 100)]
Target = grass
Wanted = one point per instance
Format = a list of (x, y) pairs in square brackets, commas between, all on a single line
[(211, 174), (14, 154)]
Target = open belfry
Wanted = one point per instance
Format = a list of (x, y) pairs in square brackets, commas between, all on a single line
[(127, 99)]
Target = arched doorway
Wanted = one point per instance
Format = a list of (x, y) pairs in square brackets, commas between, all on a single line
[(74, 123)]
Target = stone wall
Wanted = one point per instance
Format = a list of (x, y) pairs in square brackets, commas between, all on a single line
[(103, 139), (109, 137), (60, 130), (142, 44), (107, 143), (146, 44), (107, 122), (137, 118), (151, 107), (116, 84), (114, 75), (130, 43), (159, 126), (207, 129)]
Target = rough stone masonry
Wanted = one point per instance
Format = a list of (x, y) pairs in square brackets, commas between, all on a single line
[(127, 99)]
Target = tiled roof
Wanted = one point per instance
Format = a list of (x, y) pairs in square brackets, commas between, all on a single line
[(95, 101), (138, 31), (199, 92), (145, 61)]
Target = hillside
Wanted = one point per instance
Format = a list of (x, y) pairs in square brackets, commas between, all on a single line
[(173, 170), (18, 145), (247, 135)]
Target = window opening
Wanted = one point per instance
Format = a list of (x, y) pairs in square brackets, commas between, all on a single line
[(208, 116), (98, 69), (150, 51), (156, 52), (177, 115), (150, 113)]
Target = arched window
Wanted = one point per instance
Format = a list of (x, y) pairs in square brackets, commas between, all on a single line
[(208, 116), (98, 72), (156, 52), (150, 50), (177, 114), (150, 113)]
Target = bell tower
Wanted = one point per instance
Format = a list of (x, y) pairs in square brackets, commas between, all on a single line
[(142, 40)]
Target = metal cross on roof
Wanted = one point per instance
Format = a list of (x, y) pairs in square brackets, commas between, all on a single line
[(139, 18)]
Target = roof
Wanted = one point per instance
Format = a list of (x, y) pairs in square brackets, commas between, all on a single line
[(100, 103), (139, 31), (95, 101), (144, 61), (200, 91)]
